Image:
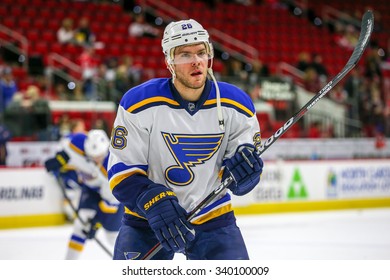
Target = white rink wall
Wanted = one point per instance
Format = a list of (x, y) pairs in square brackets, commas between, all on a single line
[(31, 196), (318, 185)]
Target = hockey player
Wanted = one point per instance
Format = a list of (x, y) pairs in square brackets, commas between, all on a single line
[(66, 176), (87, 154), (174, 140)]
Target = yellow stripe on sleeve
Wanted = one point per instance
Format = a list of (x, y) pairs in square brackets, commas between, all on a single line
[(119, 178)]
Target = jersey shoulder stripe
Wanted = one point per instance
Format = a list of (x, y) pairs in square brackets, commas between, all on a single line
[(105, 162), (151, 102), (231, 104), (151, 93), (103, 167), (234, 97), (157, 92), (77, 143)]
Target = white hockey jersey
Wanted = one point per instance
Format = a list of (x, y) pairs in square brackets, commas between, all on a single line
[(178, 143)]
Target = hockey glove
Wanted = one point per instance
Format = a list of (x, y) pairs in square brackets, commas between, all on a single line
[(166, 217), (57, 162), (245, 167), (91, 228)]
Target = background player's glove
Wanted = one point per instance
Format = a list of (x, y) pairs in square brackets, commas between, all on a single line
[(166, 217), (245, 167), (91, 228), (57, 162)]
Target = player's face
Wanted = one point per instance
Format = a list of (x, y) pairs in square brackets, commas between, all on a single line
[(190, 64)]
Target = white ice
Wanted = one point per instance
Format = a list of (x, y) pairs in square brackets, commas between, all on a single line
[(329, 235)]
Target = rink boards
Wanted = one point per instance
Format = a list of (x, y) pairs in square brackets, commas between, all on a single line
[(31, 197), (318, 185)]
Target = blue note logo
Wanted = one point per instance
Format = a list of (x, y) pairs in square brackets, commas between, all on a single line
[(131, 255), (188, 151)]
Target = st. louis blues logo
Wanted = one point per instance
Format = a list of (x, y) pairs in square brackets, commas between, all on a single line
[(131, 255), (188, 151)]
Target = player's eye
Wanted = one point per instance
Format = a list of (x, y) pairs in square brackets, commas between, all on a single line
[(185, 55), (202, 54)]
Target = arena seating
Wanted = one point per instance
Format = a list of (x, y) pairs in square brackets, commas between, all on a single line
[(274, 31), (271, 28)]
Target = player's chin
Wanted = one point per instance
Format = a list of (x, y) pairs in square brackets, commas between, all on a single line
[(197, 84), (198, 79)]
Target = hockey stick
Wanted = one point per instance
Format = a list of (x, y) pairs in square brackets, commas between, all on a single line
[(76, 212), (367, 25)]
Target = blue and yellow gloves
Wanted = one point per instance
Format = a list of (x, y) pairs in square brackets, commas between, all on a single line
[(245, 167), (166, 217)]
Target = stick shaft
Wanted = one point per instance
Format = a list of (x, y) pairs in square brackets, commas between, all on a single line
[(76, 212), (364, 38)]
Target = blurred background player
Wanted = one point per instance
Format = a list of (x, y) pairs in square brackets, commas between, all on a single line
[(87, 155), (67, 176), (173, 141)]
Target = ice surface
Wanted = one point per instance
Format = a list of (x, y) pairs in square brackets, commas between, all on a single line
[(329, 235)]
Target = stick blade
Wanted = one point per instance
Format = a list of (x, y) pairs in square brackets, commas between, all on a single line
[(367, 27)]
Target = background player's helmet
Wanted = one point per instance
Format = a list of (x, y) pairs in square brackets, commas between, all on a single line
[(97, 143), (184, 32)]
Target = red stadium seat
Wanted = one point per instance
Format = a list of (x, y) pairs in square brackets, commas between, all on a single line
[(275, 33)]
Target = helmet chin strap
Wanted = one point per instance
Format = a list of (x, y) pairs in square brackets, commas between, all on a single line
[(221, 121), (169, 60), (170, 68)]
